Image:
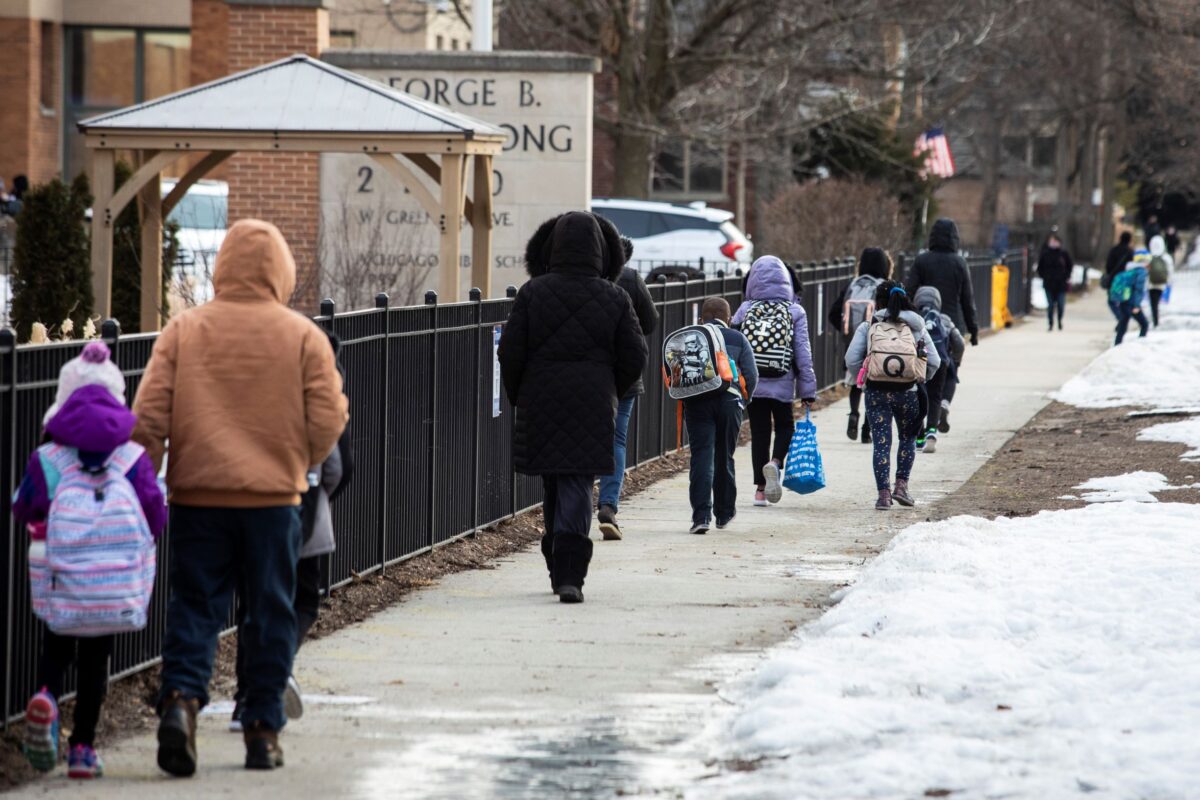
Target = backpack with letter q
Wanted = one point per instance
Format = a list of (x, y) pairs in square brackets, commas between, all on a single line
[(894, 355)]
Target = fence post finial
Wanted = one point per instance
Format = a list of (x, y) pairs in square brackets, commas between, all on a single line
[(110, 332), (382, 300), (475, 294), (431, 298), (328, 307)]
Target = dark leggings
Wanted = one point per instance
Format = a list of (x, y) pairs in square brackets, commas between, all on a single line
[(855, 396), (764, 411), (90, 656), (882, 408), (936, 388), (1155, 298)]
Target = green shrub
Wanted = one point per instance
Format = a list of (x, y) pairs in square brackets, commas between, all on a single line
[(52, 279)]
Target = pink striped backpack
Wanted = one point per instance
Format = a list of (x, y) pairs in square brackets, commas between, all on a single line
[(95, 573)]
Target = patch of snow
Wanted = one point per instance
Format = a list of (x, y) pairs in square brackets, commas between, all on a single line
[(1139, 487), (1068, 497), (1185, 432), (1024, 657)]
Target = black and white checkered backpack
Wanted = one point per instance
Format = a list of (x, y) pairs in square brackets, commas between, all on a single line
[(768, 327)]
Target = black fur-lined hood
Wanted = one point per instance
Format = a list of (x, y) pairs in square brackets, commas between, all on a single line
[(576, 242)]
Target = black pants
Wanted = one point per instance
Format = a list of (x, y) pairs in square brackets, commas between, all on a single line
[(567, 506), (855, 398), (936, 388), (713, 424), (1155, 298), (90, 656), (763, 412), (307, 605), (214, 551)]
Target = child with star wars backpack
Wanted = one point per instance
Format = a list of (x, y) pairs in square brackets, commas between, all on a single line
[(785, 367), (92, 506)]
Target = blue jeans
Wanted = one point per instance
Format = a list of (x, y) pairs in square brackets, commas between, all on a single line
[(214, 550), (1055, 300), (610, 485), (713, 424)]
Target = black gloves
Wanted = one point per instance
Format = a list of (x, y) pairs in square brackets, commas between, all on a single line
[(974, 338)]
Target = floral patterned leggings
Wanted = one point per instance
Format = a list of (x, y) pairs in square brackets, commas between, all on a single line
[(882, 408)]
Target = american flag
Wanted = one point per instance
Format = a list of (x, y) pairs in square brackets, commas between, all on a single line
[(938, 159)]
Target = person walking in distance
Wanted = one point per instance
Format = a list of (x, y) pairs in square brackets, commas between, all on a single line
[(950, 346), (945, 270), (610, 484), (1128, 292), (1119, 255), (776, 326), (891, 353), (850, 309), (248, 395), (1054, 268), (570, 349), (714, 421), (92, 495), (1159, 272)]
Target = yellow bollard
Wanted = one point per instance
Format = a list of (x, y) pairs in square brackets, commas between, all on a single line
[(1001, 316)]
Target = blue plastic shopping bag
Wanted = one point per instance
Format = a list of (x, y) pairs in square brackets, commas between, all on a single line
[(1166, 296), (803, 472)]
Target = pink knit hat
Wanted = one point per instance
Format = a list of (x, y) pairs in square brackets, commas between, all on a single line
[(92, 367)]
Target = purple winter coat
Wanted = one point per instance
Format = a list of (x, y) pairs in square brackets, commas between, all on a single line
[(770, 280), (95, 423)]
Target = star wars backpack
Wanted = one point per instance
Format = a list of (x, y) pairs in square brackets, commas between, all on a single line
[(768, 327), (695, 362)]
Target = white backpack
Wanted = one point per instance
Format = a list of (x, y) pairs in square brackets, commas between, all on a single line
[(860, 302), (94, 574)]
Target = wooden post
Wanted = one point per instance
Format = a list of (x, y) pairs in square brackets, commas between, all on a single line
[(481, 226), (102, 232), (451, 225), (150, 206)]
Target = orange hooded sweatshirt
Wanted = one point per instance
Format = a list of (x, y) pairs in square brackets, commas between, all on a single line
[(245, 389)]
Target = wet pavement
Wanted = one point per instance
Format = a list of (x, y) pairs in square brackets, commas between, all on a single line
[(484, 686)]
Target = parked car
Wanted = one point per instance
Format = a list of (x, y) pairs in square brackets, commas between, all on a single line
[(202, 216), (684, 235)]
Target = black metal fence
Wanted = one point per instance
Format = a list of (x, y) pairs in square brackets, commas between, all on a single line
[(431, 430)]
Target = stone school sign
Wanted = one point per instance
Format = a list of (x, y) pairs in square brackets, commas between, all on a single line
[(376, 236)]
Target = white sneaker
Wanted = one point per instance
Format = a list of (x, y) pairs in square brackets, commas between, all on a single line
[(774, 489), (930, 445), (293, 706), (760, 499)]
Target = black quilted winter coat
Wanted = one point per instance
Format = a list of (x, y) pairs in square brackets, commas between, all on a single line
[(571, 347)]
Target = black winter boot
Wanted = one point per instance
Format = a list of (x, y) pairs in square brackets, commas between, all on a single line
[(548, 554), (572, 554)]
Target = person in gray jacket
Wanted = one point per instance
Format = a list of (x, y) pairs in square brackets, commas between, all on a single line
[(326, 481), (892, 399), (950, 346)]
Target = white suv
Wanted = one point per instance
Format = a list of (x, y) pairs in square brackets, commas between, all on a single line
[(665, 234)]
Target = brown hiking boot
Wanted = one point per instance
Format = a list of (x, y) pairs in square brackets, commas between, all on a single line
[(900, 493), (884, 503), (177, 735), (262, 747)]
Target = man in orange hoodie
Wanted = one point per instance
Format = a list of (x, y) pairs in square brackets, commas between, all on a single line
[(248, 396)]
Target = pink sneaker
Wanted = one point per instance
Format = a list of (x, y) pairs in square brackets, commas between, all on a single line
[(760, 498), (83, 762)]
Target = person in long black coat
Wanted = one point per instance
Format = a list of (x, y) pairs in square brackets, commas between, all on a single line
[(571, 347), (1054, 267), (945, 270)]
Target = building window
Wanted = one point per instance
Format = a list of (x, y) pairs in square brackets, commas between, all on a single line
[(343, 39), (454, 44), (441, 42), (688, 168), (49, 87), (109, 68)]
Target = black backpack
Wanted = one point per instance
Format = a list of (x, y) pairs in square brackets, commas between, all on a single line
[(768, 327)]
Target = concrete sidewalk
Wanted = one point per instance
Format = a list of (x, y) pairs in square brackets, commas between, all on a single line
[(485, 686)]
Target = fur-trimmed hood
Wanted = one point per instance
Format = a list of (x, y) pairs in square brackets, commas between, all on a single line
[(576, 242)]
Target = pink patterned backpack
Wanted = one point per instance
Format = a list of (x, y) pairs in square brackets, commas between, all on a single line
[(95, 573)]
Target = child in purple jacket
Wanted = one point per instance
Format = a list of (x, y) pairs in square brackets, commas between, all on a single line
[(770, 281), (88, 415)]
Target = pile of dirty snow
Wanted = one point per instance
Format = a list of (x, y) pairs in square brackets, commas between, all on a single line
[(1045, 656)]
